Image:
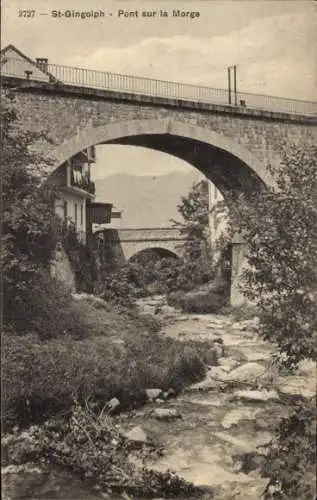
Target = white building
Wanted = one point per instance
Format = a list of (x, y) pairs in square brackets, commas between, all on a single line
[(17, 65), (76, 193), (75, 190)]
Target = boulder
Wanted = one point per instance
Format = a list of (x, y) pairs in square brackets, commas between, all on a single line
[(167, 310), (153, 394), (248, 372), (228, 364), (166, 414), (297, 386), (262, 395), (113, 405), (236, 353), (307, 367), (233, 417), (219, 373), (136, 434)]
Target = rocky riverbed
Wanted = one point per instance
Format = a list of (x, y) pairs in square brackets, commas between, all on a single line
[(226, 420), (216, 432)]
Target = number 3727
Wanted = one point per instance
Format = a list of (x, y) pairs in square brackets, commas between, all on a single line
[(26, 13)]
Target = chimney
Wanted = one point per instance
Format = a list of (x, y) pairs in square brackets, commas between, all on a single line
[(42, 63)]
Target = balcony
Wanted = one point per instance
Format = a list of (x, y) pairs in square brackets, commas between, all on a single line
[(85, 185)]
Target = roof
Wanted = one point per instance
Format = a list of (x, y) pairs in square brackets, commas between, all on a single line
[(28, 59)]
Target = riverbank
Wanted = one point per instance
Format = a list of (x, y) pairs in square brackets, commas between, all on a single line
[(215, 432), (229, 417), (112, 369)]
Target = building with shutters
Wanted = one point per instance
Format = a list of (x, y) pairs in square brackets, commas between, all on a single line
[(76, 193), (75, 190)]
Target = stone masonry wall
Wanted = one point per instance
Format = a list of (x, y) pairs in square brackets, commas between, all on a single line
[(62, 115)]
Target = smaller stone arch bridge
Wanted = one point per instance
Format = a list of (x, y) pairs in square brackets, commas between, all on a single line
[(124, 244)]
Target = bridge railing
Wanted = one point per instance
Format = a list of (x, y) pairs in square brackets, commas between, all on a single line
[(69, 75)]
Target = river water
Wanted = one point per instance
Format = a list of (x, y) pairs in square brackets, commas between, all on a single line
[(225, 421)]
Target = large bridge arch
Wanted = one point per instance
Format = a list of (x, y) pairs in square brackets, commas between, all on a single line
[(226, 163)]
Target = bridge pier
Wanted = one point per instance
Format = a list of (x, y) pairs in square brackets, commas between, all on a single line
[(239, 252)]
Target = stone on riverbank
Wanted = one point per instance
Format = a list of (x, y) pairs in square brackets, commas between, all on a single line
[(245, 443), (297, 386), (153, 394), (166, 414), (137, 435), (248, 372), (234, 417), (113, 405), (256, 395)]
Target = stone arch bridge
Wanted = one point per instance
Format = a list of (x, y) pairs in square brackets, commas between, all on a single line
[(126, 244), (232, 144)]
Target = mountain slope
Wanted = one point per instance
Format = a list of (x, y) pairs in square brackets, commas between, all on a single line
[(146, 201)]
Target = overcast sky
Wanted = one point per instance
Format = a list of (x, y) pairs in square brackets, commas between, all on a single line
[(273, 42)]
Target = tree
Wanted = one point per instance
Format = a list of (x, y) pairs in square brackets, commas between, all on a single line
[(194, 210), (280, 227), (30, 228)]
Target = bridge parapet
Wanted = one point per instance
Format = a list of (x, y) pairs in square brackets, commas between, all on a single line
[(150, 234), (61, 75)]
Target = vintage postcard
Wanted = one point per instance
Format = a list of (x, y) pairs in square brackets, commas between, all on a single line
[(159, 268)]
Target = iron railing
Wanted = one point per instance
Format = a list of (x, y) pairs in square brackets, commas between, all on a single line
[(69, 75)]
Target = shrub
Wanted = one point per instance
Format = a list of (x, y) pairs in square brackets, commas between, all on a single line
[(280, 227), (37, 304), (199, 302), (30, 230), (90, 444), (209, 298), (291, 460), (82, 260), (41, 378), (117, 288)]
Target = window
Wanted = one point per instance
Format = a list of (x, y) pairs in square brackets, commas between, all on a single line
[(65, 210), (81, 214), (76, 214)]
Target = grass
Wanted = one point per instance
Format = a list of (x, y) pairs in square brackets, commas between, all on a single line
[(120, 356), (91, 446)]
